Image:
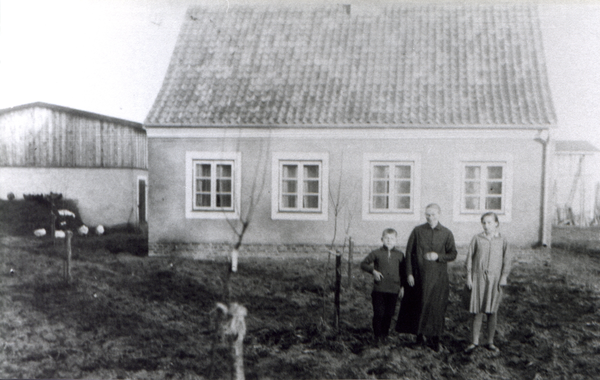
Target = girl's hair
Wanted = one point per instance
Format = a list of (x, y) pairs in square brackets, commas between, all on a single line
[(490, 214)]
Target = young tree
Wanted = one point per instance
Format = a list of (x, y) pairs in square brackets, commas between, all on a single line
[(344, 208), (231, 315)]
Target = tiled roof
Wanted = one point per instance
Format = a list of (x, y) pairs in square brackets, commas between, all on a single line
[(398, 65), (564, 146)]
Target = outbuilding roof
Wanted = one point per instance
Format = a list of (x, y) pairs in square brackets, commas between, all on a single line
[(73, 111), (575, 146), (396, 65)]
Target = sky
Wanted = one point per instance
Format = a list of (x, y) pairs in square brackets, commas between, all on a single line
[(109, 56)]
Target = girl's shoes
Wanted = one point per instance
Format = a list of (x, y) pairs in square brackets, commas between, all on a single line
[(491, 347), (471, 348)]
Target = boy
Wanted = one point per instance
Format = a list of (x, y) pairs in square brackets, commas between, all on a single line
[(386, 264)]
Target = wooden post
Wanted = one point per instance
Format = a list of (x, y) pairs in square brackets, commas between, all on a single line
[(232, 325), (53, 228), (68, 259), (338, 280), (583, 220), (597, 204), (350, 247)]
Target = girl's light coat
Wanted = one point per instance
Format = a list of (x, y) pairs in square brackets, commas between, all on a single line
[(488, 261)]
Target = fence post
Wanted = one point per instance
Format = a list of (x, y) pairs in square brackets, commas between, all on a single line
[(350, 248), (338, 280), (68, 259), (53, 228)]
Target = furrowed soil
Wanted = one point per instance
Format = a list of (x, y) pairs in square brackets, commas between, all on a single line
[(127, 316)]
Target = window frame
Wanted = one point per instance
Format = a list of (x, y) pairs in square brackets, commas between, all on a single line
[(372, 159), (299, 158), (461, 213), (212, 212)]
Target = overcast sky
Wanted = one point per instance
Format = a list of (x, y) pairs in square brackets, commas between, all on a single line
[(109, 56)]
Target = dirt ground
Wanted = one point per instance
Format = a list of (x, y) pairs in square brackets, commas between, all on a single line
[(125, 316)]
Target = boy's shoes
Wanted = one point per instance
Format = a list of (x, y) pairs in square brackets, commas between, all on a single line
[(420, 342), (470, 348), (380, 341), (435, 344), (491, 347)]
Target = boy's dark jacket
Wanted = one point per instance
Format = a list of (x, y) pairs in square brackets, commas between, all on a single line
[(393, 269)]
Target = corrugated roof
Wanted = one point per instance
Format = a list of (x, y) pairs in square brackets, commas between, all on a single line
[(427, 65), (579, 146)]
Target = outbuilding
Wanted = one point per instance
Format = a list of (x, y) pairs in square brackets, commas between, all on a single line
[(99, 161), (574, 188)]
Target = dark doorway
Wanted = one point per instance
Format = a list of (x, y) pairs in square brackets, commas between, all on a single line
[(142, 200)]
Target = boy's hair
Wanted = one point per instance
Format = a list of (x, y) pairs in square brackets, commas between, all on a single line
[(490, 213), (389, 231)]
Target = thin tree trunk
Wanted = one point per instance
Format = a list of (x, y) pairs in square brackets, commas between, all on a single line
[(338, 280), (350, 258), (68, 277)]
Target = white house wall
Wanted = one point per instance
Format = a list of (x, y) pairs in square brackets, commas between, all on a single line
[(438, 152)]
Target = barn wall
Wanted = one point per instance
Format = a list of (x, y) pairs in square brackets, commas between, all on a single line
[(46, 137), (104, 196), (167, 222)]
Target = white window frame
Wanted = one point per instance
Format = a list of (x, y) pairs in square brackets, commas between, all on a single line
[(412, 159), (192, 212), (280, 158), (461, 214)]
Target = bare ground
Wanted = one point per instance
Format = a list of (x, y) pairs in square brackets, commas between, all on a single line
[(125, 316)]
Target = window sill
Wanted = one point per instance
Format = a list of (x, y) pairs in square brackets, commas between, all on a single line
[(211, 214), (299, 215), (476, 217), (395, 216)]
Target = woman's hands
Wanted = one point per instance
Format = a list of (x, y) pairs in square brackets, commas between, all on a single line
[(431, 256)]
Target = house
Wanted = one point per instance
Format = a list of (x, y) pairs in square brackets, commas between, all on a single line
[(99, 161), (574, 189), (367, 114)]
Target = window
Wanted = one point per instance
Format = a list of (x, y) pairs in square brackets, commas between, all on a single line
[(482, 186), (391, 187), (213, 184), (299, 186), (213, 188)]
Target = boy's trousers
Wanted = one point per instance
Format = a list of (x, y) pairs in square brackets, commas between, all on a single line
[(384, 305)]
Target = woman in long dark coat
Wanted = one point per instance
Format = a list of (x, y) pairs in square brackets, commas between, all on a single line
[(423, 307)]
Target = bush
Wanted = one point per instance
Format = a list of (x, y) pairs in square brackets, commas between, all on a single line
[(22, 217), (134, 244), (56, 202)]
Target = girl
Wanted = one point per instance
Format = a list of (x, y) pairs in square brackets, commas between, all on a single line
[(488, 265)]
